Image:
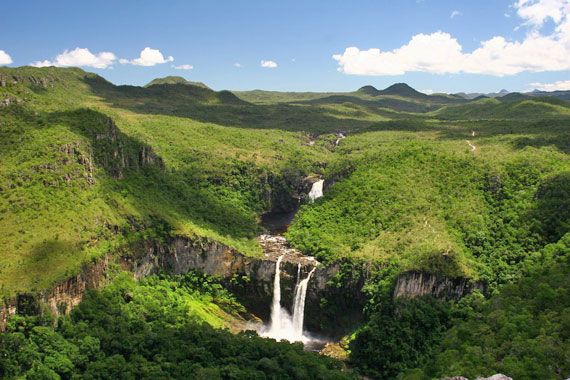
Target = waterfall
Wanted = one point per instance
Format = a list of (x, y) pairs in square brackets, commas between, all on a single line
[(283, 326), (299, 304), (316, 190), (276, 305)]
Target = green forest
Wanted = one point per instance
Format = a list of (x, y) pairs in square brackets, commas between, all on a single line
[(468, 190)]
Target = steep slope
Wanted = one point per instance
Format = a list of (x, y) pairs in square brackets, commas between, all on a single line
[(83, 182)]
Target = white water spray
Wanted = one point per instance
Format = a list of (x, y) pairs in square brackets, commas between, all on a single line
[(299, 305), (316, 190), (283, 326), (275, 328)]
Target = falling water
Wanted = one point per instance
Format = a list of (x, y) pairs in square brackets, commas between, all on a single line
[(299, 305), (283, 326), (316, 190), (276, 306)]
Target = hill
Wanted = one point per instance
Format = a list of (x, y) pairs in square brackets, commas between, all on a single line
[(175, 80)]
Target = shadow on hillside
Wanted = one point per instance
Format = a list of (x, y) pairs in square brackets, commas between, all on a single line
[(222, 108), (398, 105), (139, 177), (40, 253)]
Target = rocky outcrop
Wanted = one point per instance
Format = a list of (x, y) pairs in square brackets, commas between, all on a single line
[(33, 81), (60, 299), (414, 284), (181, 255), (250, 278), (115, 151), (69, 293), (494, 377), (498, 376)]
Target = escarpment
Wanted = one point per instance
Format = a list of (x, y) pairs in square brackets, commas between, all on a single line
[(414, 284), (250, 278)]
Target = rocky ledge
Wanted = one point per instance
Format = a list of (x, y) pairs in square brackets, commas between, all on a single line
[(414, 284), (494, 377)]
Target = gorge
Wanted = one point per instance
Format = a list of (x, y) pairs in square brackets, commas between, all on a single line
[(176, 231)]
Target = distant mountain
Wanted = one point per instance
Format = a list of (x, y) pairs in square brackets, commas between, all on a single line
[(402, 89), (175, 80), (398, 89), (555, 94), (513, 97), (369, 90), (477, 95)]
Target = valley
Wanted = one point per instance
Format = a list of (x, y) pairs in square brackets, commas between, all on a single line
[(174, 231)]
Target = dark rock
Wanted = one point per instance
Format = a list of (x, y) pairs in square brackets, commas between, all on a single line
[(414, 284)]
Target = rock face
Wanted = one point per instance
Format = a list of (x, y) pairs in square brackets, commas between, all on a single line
[(414, 284), (250, 278), (61, 298)]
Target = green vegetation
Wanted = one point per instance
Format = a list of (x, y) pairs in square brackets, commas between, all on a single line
[(522, 331), (429, 203), (153, 329), (174, 80), (89, 169)]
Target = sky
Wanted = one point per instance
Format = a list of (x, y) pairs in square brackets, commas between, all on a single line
[(432, 45)]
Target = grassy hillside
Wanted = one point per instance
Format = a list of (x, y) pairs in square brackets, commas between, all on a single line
[(95, 160), (78, 173), (517, 108)]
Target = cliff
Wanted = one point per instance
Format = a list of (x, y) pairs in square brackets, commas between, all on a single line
[(250, 278), (414, 284)]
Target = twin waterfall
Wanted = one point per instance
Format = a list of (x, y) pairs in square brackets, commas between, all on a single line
[(283, 326)]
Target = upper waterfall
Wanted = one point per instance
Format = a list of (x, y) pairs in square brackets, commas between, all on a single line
[(316, 190)]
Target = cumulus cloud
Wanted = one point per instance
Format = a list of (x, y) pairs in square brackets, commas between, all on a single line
[(148, 57), (455, 14), (270, 64), (427, 92), (183, 67), (79, 57), (238, 65), (5, 59), (440, 53), (556, 86)]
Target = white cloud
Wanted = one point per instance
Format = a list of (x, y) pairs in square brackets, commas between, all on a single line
[(440, 53), (507, 15), (455, 13), (537, 12), (270, 64), (558, 85), (148, 57), (427, 92), (183, 67), (238, 65), (5, 59), (79, 57)]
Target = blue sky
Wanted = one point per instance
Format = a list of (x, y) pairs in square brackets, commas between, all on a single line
[(442, 46)]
